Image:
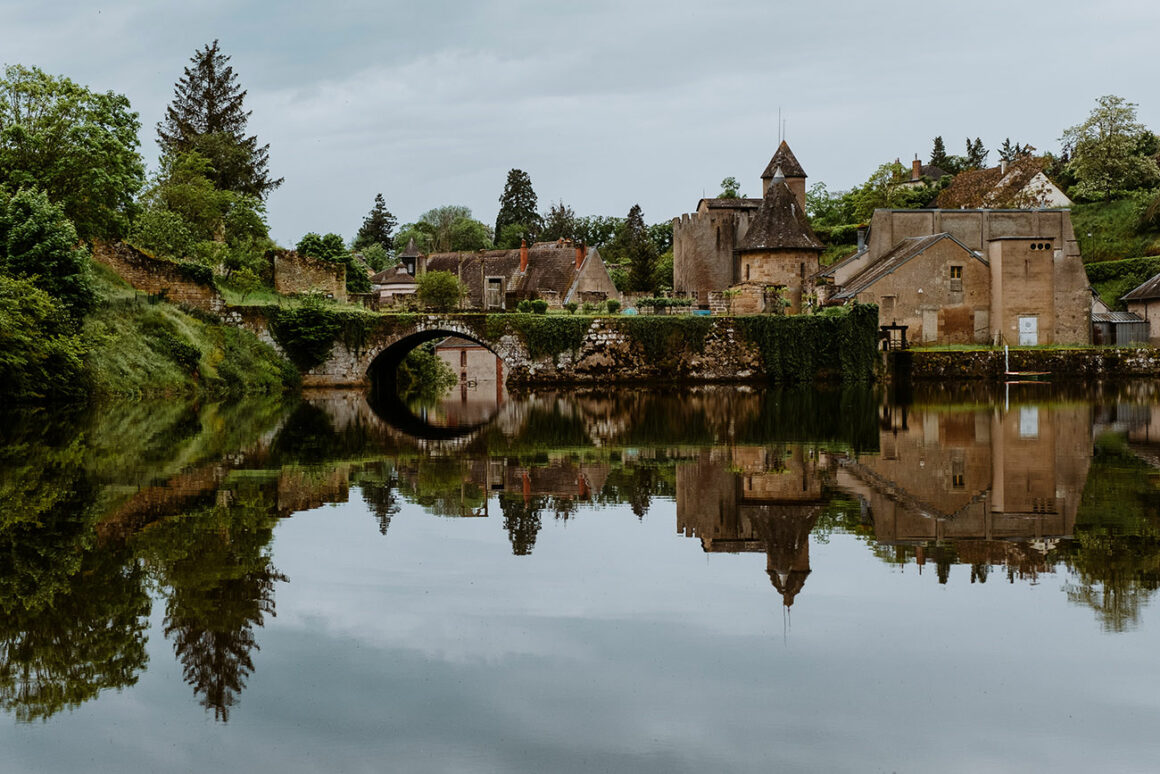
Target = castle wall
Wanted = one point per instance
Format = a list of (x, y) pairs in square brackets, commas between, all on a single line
[(703, 244), (788, 268)]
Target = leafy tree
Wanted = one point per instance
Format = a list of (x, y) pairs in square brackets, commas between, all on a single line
[(39, 243), (208, 115), (376, 256), (78, 146), (41, 355), (522, 521), (938, 154), (377, 226), (1106, 151), (598, 230), (559, 223), (440, 290), (517, 205), (445, 229), (976, 154), (331, 247), (826, 208), (186, 215), (888, 187), (729, 188)]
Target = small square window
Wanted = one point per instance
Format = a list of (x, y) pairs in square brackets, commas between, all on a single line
[(957, 272)]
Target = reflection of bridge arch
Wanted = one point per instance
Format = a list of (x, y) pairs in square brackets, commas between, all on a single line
[(381, 358), (391, 409)]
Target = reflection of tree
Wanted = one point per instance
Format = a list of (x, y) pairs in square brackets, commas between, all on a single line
[(221, 586), (1115, 575), (90, 638), (380, 493), (637, 483), (521, 519)]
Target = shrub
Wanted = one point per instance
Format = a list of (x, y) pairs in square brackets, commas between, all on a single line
[(524, 306), (539, 306), (571, 306), (195, 272), (613, 306), (439, 290)]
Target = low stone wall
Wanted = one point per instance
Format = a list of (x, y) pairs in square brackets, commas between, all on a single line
[(1061, 364), (294, 273), (157, 276)]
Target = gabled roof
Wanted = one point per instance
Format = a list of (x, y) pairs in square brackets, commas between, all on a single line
[(393, 275), (900, 254), (1146, 291), (551, 266), (785, 159), (780, 224), (989, 188)]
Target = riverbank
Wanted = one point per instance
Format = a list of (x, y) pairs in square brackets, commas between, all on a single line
[(1077, 363)]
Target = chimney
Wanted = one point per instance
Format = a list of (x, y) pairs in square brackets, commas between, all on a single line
[(523, 255), (861, 239), (579, 255), (916, 169), (1003, 166)]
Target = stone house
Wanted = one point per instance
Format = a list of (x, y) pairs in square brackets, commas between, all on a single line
[(1020, 183), (558, 272), (958, 276), (1144, 302), (768, 241), (393, 285)]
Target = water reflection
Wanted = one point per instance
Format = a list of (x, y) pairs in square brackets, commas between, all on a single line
[(101, 514)]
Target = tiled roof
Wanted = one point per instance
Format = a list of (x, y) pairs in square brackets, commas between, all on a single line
[(986, 188), (739, 203), (780, 224), (393, 275), (785, 159), (551, 266), (898, 255)]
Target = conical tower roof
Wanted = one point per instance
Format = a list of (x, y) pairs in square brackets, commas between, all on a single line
[(785, 159), (781, 223), (411, 250)]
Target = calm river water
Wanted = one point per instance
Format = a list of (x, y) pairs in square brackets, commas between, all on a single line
[(712, 580)]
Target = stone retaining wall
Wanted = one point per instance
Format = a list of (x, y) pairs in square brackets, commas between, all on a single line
[(157, 276), (1086, 363)]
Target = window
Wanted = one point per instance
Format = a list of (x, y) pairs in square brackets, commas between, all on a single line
[(956, 279), (463, 358), (957, 272), (747, 271)]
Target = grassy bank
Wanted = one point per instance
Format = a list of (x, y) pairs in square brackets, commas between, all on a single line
[(138, 348)]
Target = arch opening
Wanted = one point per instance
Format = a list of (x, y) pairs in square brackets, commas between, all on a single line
[(472, 401)]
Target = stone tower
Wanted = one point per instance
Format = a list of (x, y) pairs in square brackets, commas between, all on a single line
[(795, 176)]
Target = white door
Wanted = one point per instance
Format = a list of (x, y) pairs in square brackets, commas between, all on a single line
[(1028, 331)]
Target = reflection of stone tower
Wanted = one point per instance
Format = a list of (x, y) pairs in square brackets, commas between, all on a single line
[(785, 530)]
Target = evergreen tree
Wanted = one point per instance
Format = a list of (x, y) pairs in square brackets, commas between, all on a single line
[(938, 154), (517, 206), (635, 246), (208, 115), (376, 227), (559, 223), (976, 154)]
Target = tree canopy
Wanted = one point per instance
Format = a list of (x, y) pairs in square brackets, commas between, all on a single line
[(78, 146), (208, 115), (38, 243), (1111, 151), (446, 229), (517, 207)]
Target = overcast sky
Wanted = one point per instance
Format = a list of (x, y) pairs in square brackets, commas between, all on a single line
[(604, 104)]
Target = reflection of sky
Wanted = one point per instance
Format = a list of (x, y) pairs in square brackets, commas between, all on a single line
[(619, 645)]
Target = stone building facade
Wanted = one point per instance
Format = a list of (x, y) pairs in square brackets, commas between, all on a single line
[(716, 247), (295, 273), (924, 269)]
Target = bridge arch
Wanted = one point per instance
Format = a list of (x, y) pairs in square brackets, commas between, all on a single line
[(382, 359)]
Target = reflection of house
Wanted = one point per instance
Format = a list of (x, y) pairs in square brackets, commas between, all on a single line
[(975, 475), (1006, 276), (1020, 183), (558, 272), (730, 242), (754, 499), (472, 362)]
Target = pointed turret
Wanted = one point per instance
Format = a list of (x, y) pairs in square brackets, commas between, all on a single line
[(781, 223), (791, 170)]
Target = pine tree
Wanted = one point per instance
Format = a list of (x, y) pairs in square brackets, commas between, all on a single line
[(639, 250), (938, 154), (559, 223), (976, 154), (208, 116), (377, 226), (517, 207)]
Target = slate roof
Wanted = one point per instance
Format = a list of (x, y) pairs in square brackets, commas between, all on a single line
[(740, 203), (1146, 291), (412, 251), (900, 254), (989, 188), (393, 275), (780, 224), (783, 157)]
